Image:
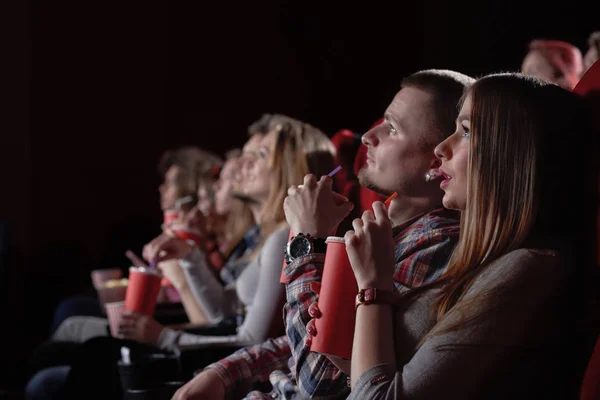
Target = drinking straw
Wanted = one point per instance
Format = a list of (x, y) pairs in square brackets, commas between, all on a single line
[(331, 174), (335, 171), (153, 264), (389, 199), (135, 260), (182, 201)]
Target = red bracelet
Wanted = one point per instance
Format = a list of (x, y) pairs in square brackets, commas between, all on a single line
[(377, 296)]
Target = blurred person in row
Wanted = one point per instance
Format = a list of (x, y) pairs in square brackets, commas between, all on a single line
[(514, 310), (289, 151), (185, 170), (555, 61), (181, 170), (176, 186)]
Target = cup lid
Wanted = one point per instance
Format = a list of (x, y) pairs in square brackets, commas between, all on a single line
[(183, 228), (114, 304), (335, 239), (144, 270)]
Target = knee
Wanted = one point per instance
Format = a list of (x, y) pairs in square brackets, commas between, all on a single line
[(47, 383)]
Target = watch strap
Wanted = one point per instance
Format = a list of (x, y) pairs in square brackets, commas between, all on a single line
[(377, 296)]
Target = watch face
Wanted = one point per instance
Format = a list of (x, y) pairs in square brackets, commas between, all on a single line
[(299, 247)]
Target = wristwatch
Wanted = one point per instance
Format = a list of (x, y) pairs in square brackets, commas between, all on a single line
[(377, 296), (302, 245)]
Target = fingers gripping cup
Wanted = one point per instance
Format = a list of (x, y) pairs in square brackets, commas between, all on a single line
[(335, 328), (142, 290)]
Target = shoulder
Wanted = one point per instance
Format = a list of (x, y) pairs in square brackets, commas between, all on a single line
[(530, 267), (276, 240), (436, 231), (279, 235)]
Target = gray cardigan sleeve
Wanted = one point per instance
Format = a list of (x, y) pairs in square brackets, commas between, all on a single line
[(216, 301), (506, 315), (264, 307)]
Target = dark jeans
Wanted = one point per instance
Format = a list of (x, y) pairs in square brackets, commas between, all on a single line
[(80, 305)]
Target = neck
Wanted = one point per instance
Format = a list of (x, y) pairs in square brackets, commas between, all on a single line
[(403, 209), (257, 211)]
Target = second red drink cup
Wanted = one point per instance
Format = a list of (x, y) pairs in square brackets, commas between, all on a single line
[(142, 290)]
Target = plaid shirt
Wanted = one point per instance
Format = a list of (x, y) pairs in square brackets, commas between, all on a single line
[(423, 246)]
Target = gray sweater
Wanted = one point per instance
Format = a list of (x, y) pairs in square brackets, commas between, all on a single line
[(257, 291), (508, 343)]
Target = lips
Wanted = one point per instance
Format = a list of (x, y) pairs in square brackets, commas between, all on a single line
[(447, 178)]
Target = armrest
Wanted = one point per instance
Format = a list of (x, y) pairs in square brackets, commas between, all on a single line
[(223, 328), (170, 313), (195, 357)]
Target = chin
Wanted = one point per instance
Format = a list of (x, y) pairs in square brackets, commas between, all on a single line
[(365, 180), (451, 204)]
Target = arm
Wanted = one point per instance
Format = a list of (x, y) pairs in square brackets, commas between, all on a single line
[(174, 273), (267, 294), (316, 375), (314, 209), (267, 302), (209, 293), (243, 369), (191, 306), (500, 325), (421, 257), (216, 301)]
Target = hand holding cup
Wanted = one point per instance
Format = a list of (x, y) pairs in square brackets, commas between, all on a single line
[(141, 328), (370, 248), (166, 246)]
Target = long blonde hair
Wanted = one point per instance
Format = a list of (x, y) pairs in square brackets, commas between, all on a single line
[(526, 141), (299, 149)]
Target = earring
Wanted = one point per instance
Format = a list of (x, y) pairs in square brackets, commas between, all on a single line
[(429, 177)]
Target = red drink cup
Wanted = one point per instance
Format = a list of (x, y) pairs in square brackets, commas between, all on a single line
[(114, 311), (142, 290), (189, 235), (335, 329), (170, 216)]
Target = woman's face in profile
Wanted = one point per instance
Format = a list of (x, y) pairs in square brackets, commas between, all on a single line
[(223, 188), (454, 154), (256, 170), (169, 189)]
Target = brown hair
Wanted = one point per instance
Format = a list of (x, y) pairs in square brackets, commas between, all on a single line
[(530, 174), (261, 126), (239, 219), (197, 167), (594, 41), (299, 149), (447, 87)]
